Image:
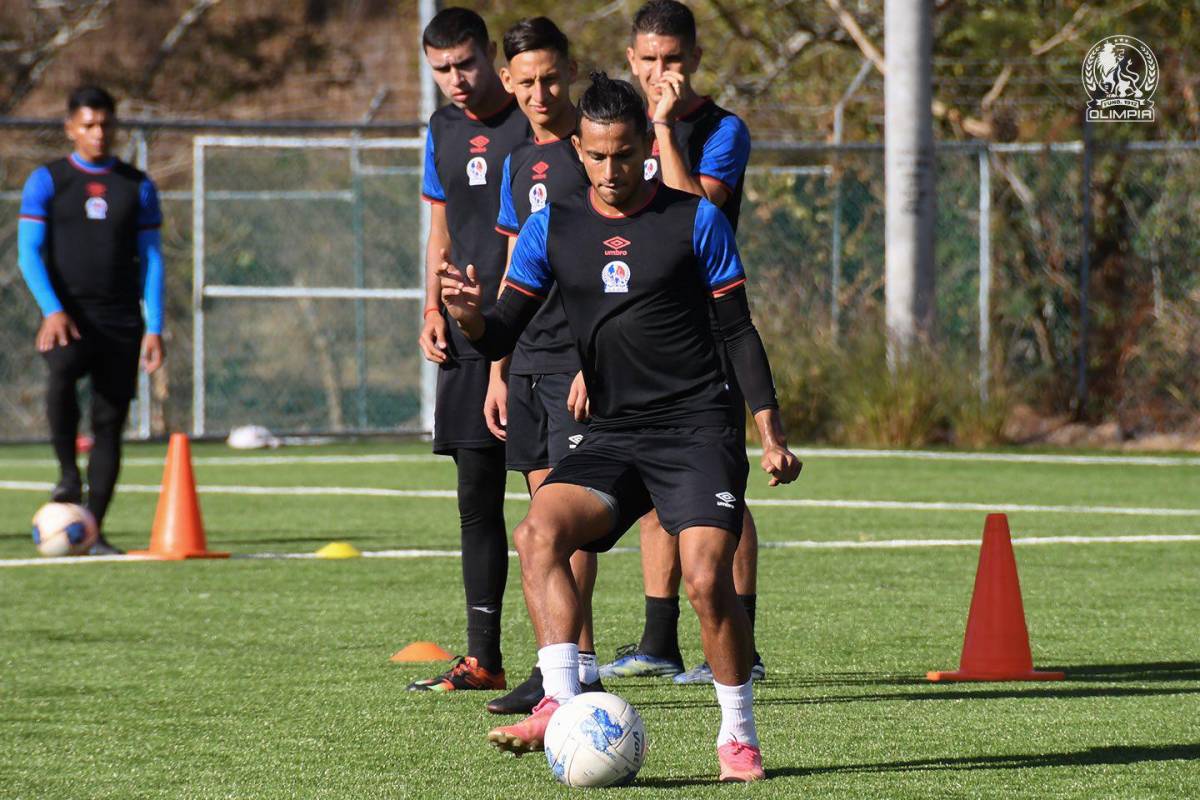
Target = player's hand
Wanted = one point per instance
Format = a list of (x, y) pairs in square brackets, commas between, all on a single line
[(433, 338), (57, 330), (673, 86), (495, 406), (578, 402), (461, 292), (152, 352), (781, 464)]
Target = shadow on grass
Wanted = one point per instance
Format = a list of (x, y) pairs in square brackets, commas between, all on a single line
[(1133, 673), (936, 693), (1093, 756)]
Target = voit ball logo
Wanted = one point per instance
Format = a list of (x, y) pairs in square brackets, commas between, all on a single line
[(616, 277), (1120, 74)]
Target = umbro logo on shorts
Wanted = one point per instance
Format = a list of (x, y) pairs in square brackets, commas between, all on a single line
[(725, 499), (574, 440)]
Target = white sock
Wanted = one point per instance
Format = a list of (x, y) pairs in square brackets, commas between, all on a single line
[(560, 670), (589, 670), (737, 714)]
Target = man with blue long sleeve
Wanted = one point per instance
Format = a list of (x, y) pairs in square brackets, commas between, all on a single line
[(91, 253)]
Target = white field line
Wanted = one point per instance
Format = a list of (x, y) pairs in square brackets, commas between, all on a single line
[(251, 461), (892, 505), (883, 544), (804, 452), (1014, 458)]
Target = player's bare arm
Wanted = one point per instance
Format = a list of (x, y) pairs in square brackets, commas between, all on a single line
[(152, 353), (433, 337)]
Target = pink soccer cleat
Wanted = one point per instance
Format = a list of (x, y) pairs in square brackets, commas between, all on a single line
[(528, 735), (740, 763)]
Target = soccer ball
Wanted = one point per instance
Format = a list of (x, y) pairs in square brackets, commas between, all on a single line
[(64, 529), (595, 739)]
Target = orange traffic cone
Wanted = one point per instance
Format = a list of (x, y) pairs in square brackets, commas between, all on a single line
[(178, 530), (996, 645), (420, 651)]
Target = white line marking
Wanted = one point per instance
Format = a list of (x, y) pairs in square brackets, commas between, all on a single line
[(806, 452), (251, 461), (893, 505), (1015, 458), (883, 544)]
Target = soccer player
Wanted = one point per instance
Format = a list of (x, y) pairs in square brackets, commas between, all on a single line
[(702, 149), (526, 405), (636, 265), (90, 251), (467, 143)]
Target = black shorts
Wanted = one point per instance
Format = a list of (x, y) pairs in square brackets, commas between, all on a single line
[(540, 428), (691, 476), (458, 409), (109, 358)]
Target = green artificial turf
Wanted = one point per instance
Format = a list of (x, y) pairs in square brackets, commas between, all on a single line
[(263, 678)]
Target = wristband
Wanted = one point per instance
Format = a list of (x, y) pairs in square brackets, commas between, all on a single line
[(670, 124), (431, 309)]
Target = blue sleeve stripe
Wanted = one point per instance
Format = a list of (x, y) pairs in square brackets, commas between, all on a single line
[(716, 248), (37, 194), (149, 212), (31, 237), (508, 213), (431, 184), (149, 243), (530, 266), (726, 152)]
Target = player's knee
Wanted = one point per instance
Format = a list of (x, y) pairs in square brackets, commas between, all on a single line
[(704, 589), (536, 539)]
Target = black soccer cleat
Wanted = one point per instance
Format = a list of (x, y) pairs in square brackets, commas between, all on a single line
[(67, 490), (523, 698)]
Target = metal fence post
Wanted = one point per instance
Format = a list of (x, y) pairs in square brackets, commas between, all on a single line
[(198, 286), (985, 270), (142, 161), (360, 280), (1085, 269)]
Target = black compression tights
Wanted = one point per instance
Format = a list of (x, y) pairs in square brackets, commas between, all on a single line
[(111, 368), (481, 482)]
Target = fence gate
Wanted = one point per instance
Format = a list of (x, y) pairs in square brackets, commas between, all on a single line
[(307, 285)]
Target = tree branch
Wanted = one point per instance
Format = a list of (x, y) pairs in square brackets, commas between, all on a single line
[(36, 61), (189, 18)]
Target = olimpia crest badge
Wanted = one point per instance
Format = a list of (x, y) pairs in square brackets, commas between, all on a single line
[(1120, 74)]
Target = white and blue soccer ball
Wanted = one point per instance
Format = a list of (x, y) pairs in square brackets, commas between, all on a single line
[(64, 529), (595, 739)]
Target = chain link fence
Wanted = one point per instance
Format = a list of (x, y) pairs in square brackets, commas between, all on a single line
[(294, 285)]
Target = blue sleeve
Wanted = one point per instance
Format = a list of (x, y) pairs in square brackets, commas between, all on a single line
[(715, 247), (529, 271), (726, 152), (149, 243), (507, 222), (149, 213), (431, 184), (31, 238), (36, 197)]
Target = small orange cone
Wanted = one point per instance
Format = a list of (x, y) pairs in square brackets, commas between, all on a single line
[(178, 531), (996, 645), (421, 651)]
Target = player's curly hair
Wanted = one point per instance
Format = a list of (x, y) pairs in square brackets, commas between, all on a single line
[(611, 100)]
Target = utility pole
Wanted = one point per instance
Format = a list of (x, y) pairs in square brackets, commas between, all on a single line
[(908, 175), (427, 9)]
